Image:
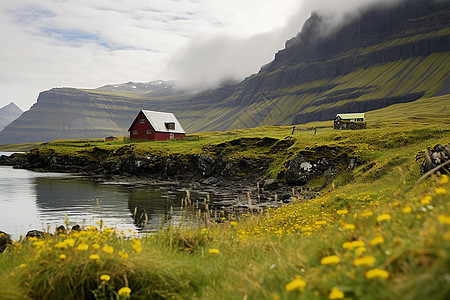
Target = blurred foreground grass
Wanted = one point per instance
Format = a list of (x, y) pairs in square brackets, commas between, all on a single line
[(389, 246)]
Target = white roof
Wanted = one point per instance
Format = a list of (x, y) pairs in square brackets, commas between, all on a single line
[(351, 116), (159, 120)]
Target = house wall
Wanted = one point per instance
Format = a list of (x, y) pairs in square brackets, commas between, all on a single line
[(165, 136), (142, 129)]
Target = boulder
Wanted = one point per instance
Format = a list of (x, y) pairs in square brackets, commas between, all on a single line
[(207, 165), (35, 233), (76, 228), (299, 170), (5, 241), (437, 156), (270, 184), (60, 229)]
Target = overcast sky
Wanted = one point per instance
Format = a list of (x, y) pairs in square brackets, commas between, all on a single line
[(87, 44)]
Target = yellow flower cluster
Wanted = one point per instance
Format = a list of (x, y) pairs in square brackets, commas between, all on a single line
[(296, 283)]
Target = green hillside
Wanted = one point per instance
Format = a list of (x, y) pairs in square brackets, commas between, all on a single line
[(387, 55), (373, 232)]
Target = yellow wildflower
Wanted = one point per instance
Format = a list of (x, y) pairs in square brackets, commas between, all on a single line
[(32, 238), (306, 228), (123, 254), (83, 247), (426, 200), (39, 243), (23, 266), (443, 179), (320, 222), (349, 226), (62, 256), (108, 249), (377, 273), (105, 277), (336, 294), (360, 250), (440, 191), (94, 256), (443, 219), (330, 260), (353, 245), (69, 242), (137, 245), (364, 261), (96, 246), (383, 217), (60, 245), (297, 283), (377, 240), (366, 213), (125, 291), (233, 223), (407, 209), (342, 212), (214, 251)]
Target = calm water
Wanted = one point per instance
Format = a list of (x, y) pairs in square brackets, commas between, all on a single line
[(31, 200)]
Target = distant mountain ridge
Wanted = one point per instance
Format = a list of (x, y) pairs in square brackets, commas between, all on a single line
[(386, 55), (9, 113), (157, 88)]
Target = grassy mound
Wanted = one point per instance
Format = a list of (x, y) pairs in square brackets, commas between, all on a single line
[(373, 232)]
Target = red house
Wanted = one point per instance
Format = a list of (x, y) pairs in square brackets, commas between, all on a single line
[(156, 126)]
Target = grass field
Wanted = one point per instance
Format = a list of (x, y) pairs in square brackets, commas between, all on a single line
[(373, 233)]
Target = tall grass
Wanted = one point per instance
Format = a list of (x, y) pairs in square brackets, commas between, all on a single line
[(385, 249), (372, 233)]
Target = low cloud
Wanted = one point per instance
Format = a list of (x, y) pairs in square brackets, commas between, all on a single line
[(207, 61)]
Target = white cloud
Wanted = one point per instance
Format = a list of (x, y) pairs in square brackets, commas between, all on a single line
[(208, 60), (85, 43)]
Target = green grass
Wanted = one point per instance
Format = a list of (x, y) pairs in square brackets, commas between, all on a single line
[(376, 216), (406, 236)]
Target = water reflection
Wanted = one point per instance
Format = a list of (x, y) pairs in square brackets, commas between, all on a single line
[(153, 209), (31, 200), (122, 206)]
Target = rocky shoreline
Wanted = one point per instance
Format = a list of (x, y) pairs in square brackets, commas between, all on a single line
[(233, 181)]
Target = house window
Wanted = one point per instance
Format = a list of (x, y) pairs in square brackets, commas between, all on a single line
[(141, 121), (148, 131), (170, 126), (135, 131)]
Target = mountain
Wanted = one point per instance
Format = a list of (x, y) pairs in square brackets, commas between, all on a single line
[(158, 88), (8, 114), (382, 56)]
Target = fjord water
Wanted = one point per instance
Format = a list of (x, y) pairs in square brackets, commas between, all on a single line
[(32, 200)]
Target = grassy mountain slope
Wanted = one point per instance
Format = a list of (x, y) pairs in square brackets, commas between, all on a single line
[(386, 55)]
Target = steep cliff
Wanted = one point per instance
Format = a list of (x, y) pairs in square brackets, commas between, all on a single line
[(382, 56), (386, 55)]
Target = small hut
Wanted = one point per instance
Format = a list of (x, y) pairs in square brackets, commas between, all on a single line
[(111, 139), (352, 121)]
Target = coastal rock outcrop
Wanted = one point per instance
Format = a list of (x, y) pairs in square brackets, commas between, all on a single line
[(438, 155), (314, 162), (5, 241)]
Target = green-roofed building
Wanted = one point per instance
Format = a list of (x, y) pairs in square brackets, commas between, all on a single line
[(350, 121)]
